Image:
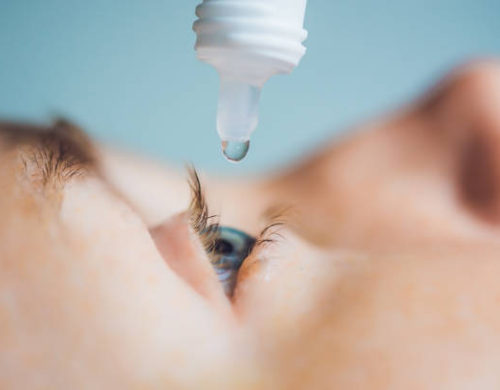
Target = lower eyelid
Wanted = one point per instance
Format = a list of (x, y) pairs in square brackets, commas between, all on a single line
[(249, 266), (254, 263), (271, 245), (263, 249)]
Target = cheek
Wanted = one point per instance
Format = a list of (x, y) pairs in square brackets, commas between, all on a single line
[(425, 321), (279, 287)]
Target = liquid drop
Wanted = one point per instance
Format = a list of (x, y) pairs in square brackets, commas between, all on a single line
[(235, 151)]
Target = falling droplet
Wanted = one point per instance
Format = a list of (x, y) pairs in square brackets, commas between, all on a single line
[(235, 151)]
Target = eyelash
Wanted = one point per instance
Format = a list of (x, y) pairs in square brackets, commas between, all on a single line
[(199, 214), (271, 232), (200, 218)]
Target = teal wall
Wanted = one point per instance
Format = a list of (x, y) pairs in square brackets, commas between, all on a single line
[(126, 70)]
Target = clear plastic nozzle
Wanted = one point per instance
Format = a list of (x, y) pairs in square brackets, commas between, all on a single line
[(237, 116)]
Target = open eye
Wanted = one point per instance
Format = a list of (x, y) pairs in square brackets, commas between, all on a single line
[(226, 247), (230, 249)]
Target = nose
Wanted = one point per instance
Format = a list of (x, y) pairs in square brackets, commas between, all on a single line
[(465, 108), (184, 254)]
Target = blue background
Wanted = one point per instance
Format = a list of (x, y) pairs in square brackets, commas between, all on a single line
[(127, 72)]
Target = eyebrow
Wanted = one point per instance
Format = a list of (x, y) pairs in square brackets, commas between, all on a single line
[(51, 155)]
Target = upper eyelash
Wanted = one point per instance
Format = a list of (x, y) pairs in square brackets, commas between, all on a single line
[(199, 213)]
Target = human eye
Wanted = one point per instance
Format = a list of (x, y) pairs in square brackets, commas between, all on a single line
[(226, 247)]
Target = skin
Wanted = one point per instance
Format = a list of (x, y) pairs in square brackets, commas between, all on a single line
[(384, 276)]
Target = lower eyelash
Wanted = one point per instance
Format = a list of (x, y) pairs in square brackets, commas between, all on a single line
[(277, 217), (269, 234)]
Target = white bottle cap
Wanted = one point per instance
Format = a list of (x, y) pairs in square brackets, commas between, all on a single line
[(247, 41)]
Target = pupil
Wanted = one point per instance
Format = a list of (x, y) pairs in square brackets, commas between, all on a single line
[(223, 247)]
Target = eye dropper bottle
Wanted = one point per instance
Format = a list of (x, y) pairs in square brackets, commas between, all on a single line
[(247, 41)]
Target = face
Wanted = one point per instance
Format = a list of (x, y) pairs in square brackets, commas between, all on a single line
[(371, 264)]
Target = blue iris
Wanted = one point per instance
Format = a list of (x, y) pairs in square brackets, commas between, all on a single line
[(231, 247)]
